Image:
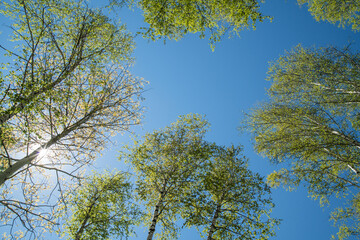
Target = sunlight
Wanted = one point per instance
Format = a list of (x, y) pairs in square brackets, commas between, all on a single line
[(43, 155)]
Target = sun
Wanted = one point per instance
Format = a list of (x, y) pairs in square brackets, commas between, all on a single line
[(43, 155)]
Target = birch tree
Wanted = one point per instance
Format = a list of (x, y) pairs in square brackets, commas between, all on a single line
[(64, 91), (229, 201), (312, 122), (165, 163), (101, 208)]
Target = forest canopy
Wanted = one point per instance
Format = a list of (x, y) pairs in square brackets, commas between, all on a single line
[(67, 92)]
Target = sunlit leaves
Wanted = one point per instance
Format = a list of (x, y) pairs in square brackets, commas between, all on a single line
[(53, 39), (342, 216), (101, 208), (229, 201), (210, 187), (66, 89), (341, 12), (174, 18), (166, 162), (311, 121)]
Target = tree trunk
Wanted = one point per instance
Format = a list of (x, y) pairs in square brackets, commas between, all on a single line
[(213, 222), (156, 214), (87, 217)]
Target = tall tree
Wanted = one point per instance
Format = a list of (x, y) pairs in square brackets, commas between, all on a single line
[(166, 162), (312, 122), (229, 201), (101, 207), (65, 90), (335, 11)]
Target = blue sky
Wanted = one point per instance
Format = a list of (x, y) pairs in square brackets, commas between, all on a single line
[(187, 77)]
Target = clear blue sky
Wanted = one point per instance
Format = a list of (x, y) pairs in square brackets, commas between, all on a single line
[(187, 77)]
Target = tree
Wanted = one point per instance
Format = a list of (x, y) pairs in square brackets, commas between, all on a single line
[(173, 19), (335, 11), (342, 216), (312, 121), (101, 207), (65, 91), (65, 33), (166, 163), (229, 201)]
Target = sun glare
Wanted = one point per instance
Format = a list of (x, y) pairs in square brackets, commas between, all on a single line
[(43, 155)]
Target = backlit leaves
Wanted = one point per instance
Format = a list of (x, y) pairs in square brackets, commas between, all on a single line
[(341, 12), (102, 208), (229, 201), (166, 162), (311, 121), (173, 19), (65, 91)]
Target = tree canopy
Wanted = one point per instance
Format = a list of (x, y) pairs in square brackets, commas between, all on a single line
[(174, 18), (229, 201), (101, 207), (64, 91), (210, 187), (165, 163), (335, 11), (312, 122)]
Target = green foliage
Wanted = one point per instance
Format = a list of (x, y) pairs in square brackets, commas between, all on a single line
[(165, 163), (55, 37), (210, 187), (65, 90), (101, 208), (229, 201), (312, 121), (343, 216), (174, 18), (335, 11)]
